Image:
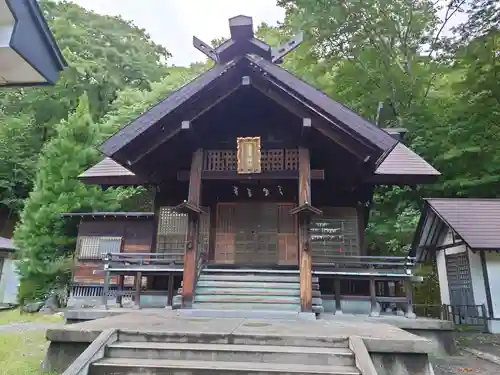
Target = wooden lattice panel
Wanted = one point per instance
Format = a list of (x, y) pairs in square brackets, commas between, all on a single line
[(271, 160), (220, 160), (291, 160), (225, 236)]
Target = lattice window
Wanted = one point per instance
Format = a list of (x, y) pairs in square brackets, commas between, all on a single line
[(172, 231), (271, 160), (95, 247), (291, 160), (335, 234)]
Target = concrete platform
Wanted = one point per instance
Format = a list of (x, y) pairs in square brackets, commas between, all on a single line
[(379, 337), (441, 332)]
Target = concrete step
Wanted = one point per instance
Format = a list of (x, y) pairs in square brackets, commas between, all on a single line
[(233, 353), (245, 284), (246, 306), (171, 367), (250, 278), (236, 339), (251, 271), (247, 314), (295, 292), (232, 298)]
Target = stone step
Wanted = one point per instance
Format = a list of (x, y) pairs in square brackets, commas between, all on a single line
[(236, 339), (250, 278), (252, 271), (212, 305), (295, 292), (232, 298), (247, 314), (126, 366), (232, 353), (245, 284)]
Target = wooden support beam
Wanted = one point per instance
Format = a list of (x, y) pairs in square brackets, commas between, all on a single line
[(138, 286), (329, 129), (304, 214), (170, 296), (409, 300), (374, 310), (193, 209), (316, 174)]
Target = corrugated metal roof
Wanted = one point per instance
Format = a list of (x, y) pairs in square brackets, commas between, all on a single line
[(106, 168), (6, 244), (476, 221), (403, 161)]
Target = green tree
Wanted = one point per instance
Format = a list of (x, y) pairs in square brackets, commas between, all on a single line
[(45, 239), (105, 55)]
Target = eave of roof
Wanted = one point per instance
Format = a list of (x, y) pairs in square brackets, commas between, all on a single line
[(476, 221), (338, 116), (109, 215), (33, 43), (7, 244), (402, 161)]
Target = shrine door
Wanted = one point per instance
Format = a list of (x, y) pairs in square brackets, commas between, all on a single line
[(262, 234)]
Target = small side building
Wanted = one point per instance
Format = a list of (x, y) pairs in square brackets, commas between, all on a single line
[(463, 236), (9, 279)]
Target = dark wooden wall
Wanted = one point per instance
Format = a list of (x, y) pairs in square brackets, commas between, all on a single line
[(137, 237)]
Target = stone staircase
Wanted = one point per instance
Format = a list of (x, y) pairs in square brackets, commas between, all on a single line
[(170, 353), (251, 289)]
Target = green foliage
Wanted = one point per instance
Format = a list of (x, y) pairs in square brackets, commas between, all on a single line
[(46, 240), (105, 55)]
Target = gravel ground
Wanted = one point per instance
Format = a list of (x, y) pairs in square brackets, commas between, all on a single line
[(464, 363)]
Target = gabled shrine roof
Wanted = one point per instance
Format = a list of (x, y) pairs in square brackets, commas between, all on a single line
[(241, 61), (475, 221)]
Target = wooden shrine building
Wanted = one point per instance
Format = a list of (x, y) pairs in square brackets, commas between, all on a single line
[(251, 168)]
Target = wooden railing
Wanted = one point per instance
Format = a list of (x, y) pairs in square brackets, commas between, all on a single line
[(144, 259), (378, 271), (361, 264)]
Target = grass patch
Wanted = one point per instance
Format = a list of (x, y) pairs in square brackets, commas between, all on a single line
[(16, 316), (22, 353)]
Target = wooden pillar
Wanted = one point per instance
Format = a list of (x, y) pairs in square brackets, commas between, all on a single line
[(192, 207), (170, 290), (119, 292), (107, 279), (338, 305), (138, 286), (374, 311), (304, 233), (409, 300)]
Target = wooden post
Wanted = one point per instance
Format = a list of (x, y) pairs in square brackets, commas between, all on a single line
[(304, 233), (409, 300), (374, 311), (138, 286), (338, 304), (119, 292), (170, 290), (107, 279), (190, 252)]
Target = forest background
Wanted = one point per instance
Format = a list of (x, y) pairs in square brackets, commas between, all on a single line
[(443, 87)]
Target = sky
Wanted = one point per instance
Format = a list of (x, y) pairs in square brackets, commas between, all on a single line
[(172, 23)]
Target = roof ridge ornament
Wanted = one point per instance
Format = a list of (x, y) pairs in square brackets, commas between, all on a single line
[(243, 41)]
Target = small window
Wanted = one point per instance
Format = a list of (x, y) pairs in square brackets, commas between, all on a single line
[(93, 247)]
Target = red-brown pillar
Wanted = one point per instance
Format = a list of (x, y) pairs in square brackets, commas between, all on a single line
[(192, 205), (304, 234)]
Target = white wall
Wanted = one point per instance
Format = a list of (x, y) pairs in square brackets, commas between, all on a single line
[(493, 266), (443, 277), (9, 282)]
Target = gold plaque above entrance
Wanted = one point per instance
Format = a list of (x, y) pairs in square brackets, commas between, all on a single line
[(249, 155)]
